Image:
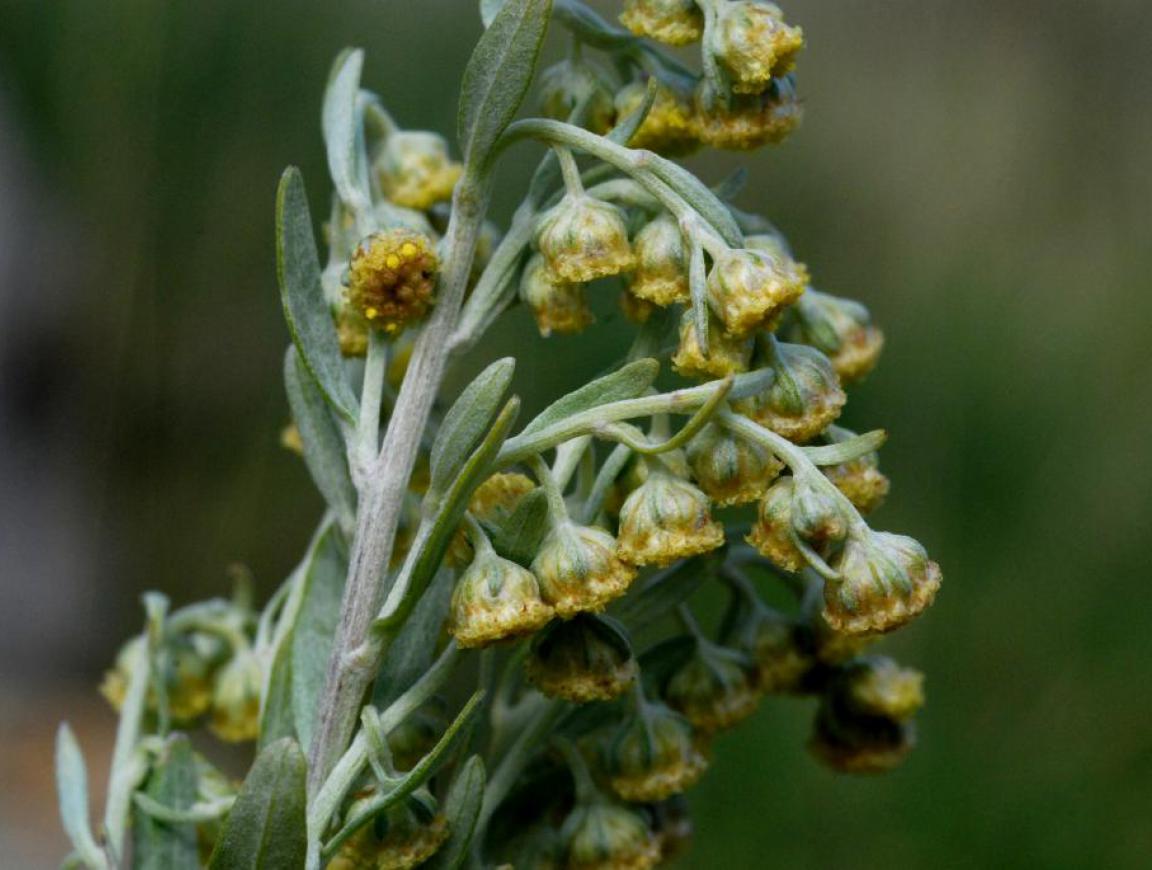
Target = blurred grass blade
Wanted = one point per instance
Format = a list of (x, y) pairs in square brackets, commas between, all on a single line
[(306, 312), (267, 828), (160, 845), (468, 421), (72, 791), (499, 74)]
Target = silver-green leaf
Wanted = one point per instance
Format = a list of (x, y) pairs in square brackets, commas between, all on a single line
[(306, 312), (499, 74), (340, 121), (627, 382), (488, 10), (267, 828), (468, 420), (462, 809), (72, 790), (161, 845)]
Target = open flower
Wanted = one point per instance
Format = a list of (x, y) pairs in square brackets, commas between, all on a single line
[(392, 278)]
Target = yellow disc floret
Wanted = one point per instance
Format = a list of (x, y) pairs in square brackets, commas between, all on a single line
[(392, 278)]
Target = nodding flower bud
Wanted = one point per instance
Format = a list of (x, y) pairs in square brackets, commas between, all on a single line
[(587, 658), (673, 22), (776, 246), (731, 470), (187, 675), (772, 533), (236, 698), (713, 688), (558, 305), (654, 755), (661, 274), (583, 238), (669, 128), (774, 643), (635, 309), (604, 835), (842, 329), (748, 289), (805, 396), (415, 170), (495, 599), (754, 44), (575, 82), (673, 826), (747, 120), (726, 354), (665, 519), (392, 278), (860, 479), (885, 580), (578, 569), (864, 723), (401, 838), (818, 516)]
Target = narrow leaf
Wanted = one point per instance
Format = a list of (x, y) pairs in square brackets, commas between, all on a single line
[(518, 537), (624, 383), (411, 654), (72, 791), (277, 719), (160, 845), (324, 449), (488, 10), (499, 74), (468, 420), (341, 125), (315, 627), (461, 808), (845, 451), (309, 322), (267, 826)]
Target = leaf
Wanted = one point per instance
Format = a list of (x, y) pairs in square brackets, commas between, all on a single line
[(412, 652), (173, 782), (72, 791), (518, 537), (499, 74), (276, 715), (488, 10), (267, 826), (467, 421), (697, 195), (311, 640), (325, 453), (461, 809), (340, 122), (306, 312), (624, 383), (852, 447)]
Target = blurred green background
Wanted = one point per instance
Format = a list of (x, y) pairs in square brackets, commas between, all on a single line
[(980, 174)]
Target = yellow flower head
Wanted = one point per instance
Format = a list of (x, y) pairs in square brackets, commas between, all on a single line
[(730, 469), (578, 569), (352, 332), (754, 44), (404, 838), (392, 278), (772, 533), (748, 120), (665, 519), (673, 22), (669, 127), (885, 581), (661, 273), (804, 397), (713, 689), (236, 699), (602, 835), (495, 599), (748, 288), (583, 238), (558, 305), (582, 659), (842, 329), (726, 355), (880, 687), (654, 756), (415, 170)]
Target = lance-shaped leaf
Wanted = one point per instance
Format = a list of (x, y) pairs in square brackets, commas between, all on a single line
[(324, 449), (499, 74), (468, 421), (72, 791), (624, 383), (488, 10), (306, 312), (411, 654), (340, 121), (461, 809), (277, 719), (266, 829), (161, 845), (518, 537)]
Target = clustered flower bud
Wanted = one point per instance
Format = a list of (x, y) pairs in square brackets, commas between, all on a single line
[(731, 470), (187, 676), (587, 658), (772, 534), (665, 519), (575, 82), (727, 354), (747, 121), (604, 835), (495, 599), (860, 479), (579, 570), (754, 44), (415, 170), (654, 755), (400, 838), (772, 642), (669, 128), (235, 713), (805, 396), (558, 305), (392, 279), (583, 238), (885, 580), (840, 328), (713, 688), (748, 289), (661, 273), (674, 22)]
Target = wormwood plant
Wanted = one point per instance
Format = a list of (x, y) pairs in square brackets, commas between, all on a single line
[(551, 563)]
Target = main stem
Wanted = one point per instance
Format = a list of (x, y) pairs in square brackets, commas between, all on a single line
[(382, 495)]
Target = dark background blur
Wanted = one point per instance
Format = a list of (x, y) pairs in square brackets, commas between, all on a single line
[(979, 173)]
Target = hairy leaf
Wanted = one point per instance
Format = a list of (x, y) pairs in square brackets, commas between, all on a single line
[(624, 383), (267, 828), (72, 791), (519, 536), (412, 652), (461, 808), (488, 10), (160, 845), (341, 125), (467, 421)]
